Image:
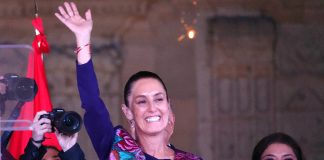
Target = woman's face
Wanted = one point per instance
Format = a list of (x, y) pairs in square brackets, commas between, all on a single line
[(278, 151), (149, 105)]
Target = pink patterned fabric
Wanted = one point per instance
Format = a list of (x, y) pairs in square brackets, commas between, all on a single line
[(181, 155), (125, 147)]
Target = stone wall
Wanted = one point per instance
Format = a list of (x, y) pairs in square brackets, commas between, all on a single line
[(259, 77), (255, 67)]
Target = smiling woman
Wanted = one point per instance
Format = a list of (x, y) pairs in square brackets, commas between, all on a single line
[(147, 103), (147, 106)]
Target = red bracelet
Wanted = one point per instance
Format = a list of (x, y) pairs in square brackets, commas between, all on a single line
[(78, 49)]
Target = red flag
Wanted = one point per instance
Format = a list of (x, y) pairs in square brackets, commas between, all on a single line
[(19, 139)]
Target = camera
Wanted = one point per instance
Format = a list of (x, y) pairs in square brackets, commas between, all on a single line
[(66, 123), (18, 88)]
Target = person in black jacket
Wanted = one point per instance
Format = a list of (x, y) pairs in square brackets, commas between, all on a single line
[(36, 151)]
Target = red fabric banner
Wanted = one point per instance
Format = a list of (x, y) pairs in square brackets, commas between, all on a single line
[(42, 101)]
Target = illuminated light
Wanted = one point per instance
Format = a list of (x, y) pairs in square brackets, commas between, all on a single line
[(191, 34), (188, 20)]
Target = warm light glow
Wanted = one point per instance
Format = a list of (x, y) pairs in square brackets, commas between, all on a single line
[(188, 20), (191, 33)]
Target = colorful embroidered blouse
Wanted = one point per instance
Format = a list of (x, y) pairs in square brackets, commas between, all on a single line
[(109, 142)]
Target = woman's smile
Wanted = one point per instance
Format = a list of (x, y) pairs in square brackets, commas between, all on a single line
[(153, 118)]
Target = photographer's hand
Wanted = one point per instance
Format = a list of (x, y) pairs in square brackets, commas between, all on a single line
[(66, 141), (40, 127)]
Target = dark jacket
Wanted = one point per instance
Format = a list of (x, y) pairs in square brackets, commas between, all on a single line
[(34, 153)]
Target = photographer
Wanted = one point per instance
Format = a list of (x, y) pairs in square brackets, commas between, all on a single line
[(36, 151)]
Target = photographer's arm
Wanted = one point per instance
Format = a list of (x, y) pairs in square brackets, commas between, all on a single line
[(70, 148), (74, 153), (33, 152), (34, 148)]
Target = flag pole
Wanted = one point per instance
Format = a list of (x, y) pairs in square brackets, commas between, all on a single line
[(36, 15), (36, 9), (36, 31)]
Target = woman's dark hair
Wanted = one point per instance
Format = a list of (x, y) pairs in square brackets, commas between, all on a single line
[(278, 137), (137, 76)]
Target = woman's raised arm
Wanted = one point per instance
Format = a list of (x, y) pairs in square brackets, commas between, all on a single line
[(81, 27)]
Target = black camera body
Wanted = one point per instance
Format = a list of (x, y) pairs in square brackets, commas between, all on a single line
[(21, 89), (66, 123)]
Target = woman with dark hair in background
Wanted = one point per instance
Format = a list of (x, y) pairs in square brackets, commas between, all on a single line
[(277, 146)]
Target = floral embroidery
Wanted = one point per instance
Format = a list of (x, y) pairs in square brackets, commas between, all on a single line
[(127, 143), (125, 147)]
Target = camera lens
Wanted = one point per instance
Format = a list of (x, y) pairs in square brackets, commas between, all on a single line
[(25, 89), (70, 123)]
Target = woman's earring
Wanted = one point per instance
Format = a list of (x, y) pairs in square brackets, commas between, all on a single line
[(132, 123)]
